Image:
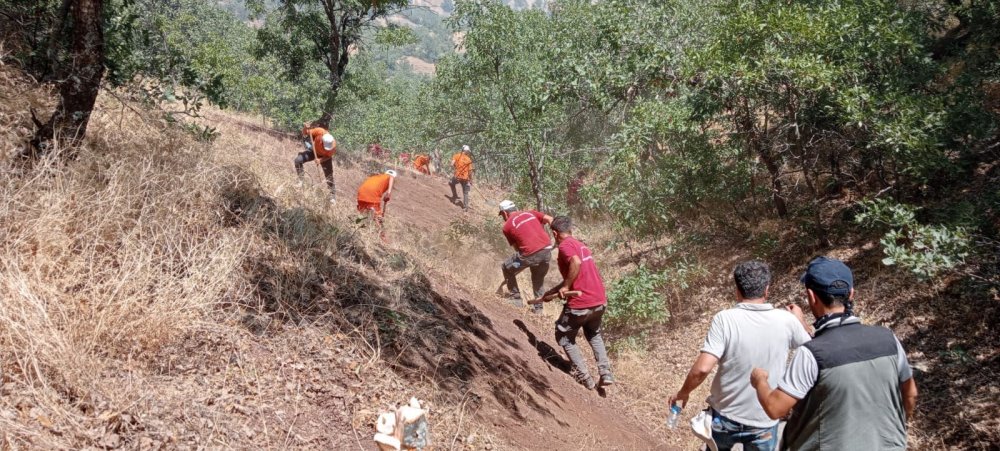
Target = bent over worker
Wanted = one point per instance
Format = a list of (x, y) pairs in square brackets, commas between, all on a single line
[(422, 164), (323, 147), (851, 387), (525, 232), (583, 310), (374, 194), (462, 163)]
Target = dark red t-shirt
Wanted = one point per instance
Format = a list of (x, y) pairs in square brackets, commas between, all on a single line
[(524, 230), (588, 282)]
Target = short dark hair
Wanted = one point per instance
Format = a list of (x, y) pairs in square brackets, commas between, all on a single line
[(562, 224), (832, 300), (752, 278)]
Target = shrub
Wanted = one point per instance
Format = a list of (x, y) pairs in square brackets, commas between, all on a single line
[(635, 300), (924, 250)]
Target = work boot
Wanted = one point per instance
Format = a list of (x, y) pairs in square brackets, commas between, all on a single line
[(606, 379), (586, 381), (514, 299)]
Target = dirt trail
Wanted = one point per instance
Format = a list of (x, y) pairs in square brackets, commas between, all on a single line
[(501, 361)]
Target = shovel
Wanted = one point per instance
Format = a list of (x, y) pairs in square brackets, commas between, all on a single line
[(552, 296)]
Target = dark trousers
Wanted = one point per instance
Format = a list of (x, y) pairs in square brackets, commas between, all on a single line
[(466, 186), (327, 166), (568, 326), (539, 264)]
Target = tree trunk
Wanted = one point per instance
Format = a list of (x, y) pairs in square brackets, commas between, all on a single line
[(78, 92), (535, 172), (338, 46), (55, 40)]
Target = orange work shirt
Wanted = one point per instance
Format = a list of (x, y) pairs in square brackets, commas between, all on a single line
[(463, 166), (317, 138), (373, 188), (421, 160)]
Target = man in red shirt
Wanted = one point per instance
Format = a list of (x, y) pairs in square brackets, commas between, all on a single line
[(583, 310), (525, 232)]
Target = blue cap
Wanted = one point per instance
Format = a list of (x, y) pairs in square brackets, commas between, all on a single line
[(823, 273)]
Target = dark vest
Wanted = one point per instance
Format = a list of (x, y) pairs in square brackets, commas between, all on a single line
[(856, 403)]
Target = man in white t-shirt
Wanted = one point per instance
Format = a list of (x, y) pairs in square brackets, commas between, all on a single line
[(751, 334)]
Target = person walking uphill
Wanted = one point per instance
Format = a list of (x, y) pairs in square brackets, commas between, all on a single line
[(751, 334), (374, 194), (525, 232), (462, 162), (323, 148), (851, 387), (584, 310)]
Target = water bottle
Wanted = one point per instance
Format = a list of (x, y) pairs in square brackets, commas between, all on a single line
[(675, 414)]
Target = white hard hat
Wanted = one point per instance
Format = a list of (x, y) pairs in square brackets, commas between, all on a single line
[(328, 142), (391, 173), (465, 148), (507, 205)]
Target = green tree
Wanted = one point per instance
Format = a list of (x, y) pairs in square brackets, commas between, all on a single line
[(299, 32)]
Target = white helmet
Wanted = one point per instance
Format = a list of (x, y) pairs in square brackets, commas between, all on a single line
[(465, 148), (507, 205), (391, 173), (328, 142)]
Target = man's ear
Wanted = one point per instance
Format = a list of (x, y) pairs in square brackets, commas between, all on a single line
[(767, 291), (812, 298), (851, 296)]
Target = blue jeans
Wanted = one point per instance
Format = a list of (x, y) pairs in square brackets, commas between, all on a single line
[(727, 433)]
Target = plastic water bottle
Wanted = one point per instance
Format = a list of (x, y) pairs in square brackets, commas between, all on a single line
[(675, 414)]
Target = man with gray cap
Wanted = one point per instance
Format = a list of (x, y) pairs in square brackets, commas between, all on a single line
[(525, 232), (851, 386)]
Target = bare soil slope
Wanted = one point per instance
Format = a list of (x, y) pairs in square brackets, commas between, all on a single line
[(497, 361)]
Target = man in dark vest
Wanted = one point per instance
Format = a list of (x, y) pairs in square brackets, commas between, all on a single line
[(851, 386)]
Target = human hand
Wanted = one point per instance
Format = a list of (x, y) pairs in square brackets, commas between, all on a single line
[(795, 310), (679, 399), (758, 376), (562, 292), (386, 198)]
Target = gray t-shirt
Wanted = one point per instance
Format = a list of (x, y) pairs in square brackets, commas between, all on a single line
[(745, 337)]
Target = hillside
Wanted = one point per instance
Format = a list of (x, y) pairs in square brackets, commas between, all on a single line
[(303, 329)]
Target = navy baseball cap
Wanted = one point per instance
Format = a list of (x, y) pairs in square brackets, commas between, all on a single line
[(824, 273)]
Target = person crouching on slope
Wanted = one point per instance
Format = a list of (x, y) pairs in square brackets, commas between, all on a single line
[(585, 310), (373, 196), (422, 164), (525, 232), (323, 147)]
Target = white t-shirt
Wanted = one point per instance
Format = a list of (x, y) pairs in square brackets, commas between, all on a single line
[(745, 337)]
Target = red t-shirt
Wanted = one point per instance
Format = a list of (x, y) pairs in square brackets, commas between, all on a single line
[(588, 282), (524, 230)]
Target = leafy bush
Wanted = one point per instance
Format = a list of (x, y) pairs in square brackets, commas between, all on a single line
[(924, 250), (635, 300)]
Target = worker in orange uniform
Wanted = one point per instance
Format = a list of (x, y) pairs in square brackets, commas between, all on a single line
[(374, 194), (462, 162), (320, 146), (422, 164)]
